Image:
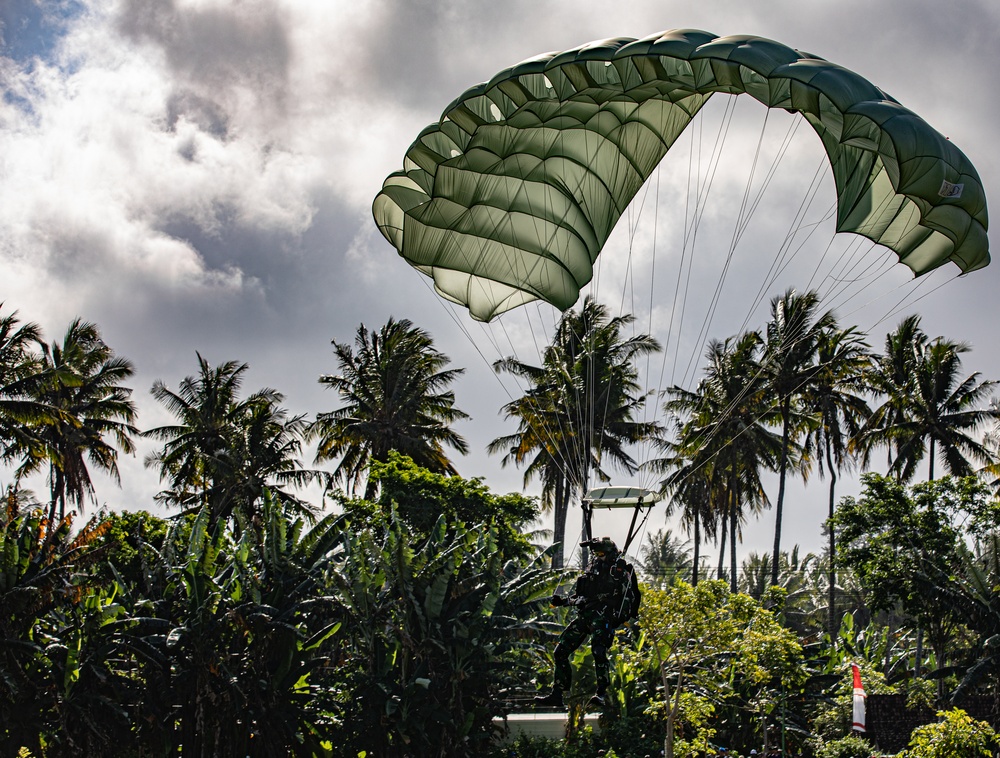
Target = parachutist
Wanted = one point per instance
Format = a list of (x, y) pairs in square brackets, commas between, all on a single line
[(605, 596)]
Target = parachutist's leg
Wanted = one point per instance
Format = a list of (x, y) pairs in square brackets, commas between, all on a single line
[(571, 638), (600, 643)]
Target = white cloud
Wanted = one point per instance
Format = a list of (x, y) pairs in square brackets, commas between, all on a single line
[(198, 174)]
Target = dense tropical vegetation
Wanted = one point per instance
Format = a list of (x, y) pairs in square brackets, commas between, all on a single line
[(412, 620)]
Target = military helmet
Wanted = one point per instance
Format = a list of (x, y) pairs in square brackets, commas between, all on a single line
[(604, 545)]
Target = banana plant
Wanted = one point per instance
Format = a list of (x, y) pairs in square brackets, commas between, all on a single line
[(42, 567), (972, 591), (440, 625), (238, 645)]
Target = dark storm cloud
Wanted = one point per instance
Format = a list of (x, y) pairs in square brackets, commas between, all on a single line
[(207, 114), (296, 273), (460, 44), (214, 51)]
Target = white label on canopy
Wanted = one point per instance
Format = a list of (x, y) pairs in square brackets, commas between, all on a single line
[(951, 190)]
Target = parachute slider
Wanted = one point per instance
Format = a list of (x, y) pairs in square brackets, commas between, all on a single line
[(622, 497), (636, 498)]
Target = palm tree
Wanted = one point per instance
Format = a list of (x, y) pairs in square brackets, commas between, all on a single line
[(80, 383), (793, 334), (728, 415), (267, 455), (891, 376), (225, 450), (796, 576), (664, 558), (395, 393), (540, 440), (206, 407), (689, 481), (840, 411), (929, 410), (580, 407), (20, 367), (992, 440)]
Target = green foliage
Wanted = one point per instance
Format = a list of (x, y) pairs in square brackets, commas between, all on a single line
[(875, 652), (696, 714), (881, 656), (587, 744), (851, 746), (438, 627), (891, 534), (51, 624), (422, 497), (236, 639), (129, 546), (956, 735), (707, 640), (911, 546)]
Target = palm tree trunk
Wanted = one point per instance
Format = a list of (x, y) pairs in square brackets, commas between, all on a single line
[(732, 550), (920, 628), (785, 423), (697, 549), (919, 651), (58, 492), (560, 507), (939, 635), (733, 506), (832, 580), (721, 574)]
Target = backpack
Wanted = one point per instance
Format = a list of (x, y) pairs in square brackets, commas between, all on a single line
[(627, 597)]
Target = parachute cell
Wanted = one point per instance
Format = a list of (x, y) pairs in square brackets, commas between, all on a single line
[(511, 196)]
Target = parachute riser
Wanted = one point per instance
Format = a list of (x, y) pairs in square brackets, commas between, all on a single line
[(618, 497)]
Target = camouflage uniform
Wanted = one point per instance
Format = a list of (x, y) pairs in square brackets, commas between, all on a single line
[(596, 616)]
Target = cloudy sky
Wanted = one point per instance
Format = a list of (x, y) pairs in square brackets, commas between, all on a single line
[(197, 175)]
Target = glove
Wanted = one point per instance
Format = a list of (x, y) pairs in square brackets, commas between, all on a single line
[(557, 601)]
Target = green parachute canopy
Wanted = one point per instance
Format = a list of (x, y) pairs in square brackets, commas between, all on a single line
[(512, 194)]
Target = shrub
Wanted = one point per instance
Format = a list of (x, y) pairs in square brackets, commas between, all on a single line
[(851, 746), (956, 735)]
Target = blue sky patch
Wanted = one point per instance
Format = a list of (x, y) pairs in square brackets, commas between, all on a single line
[(31, 29)]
